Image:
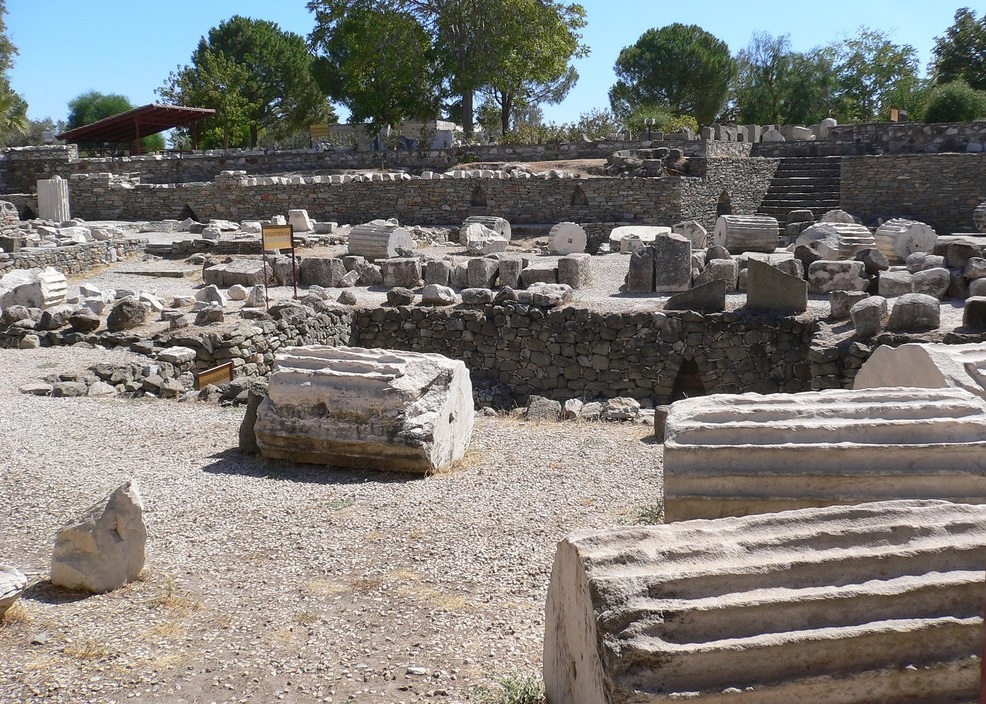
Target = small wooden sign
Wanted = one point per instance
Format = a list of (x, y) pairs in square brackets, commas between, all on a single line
[(217, 375), (277, 237)]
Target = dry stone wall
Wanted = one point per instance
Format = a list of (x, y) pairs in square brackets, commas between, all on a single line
[(514, 351), (72, 259), (743, 181), (941, 190)]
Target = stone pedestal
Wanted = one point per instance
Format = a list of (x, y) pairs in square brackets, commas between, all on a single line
[(53, 201)]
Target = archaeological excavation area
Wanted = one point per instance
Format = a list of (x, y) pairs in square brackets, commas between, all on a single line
[(701, 418)]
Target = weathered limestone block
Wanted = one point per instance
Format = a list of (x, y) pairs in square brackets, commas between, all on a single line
[(974, 313), (854, 605), (696, 234), (437, 271), (704, 298), (895, 283), (371, 408), (869, 316), (246, 272), (299, 220), (898, 237), (401, 271), (127, 314), (499, 225), (725, 270), (922, 261), (825, 276), (913, 312), (437, 295), (746, 233), (645, 233), (768, 288), (53, 200), (836, 240), (321, 271), (841, 301), (574, 270), (926, 366), (932, 282), (640, 275), (509, 271), (12, 584), (481, 273), (567, 238), (34, 288), (672, 263), (481, 240), (105, 548), (737, 454), (837, 215), (379, 239)]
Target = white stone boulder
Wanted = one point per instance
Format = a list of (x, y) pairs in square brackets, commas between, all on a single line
[(12, 585), (104, 549), (870, 604), (380, 239), (898, 237), (481, 240), (567, 238), (34, 288), (299, 221), (693, 230), (751, 453), (926, 366), (836, 240), (367, 408), (646, 234), (746, 233), (499, 225)]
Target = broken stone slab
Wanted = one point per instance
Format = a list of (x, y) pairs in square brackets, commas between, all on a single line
[(401, 271), (245, 272), (812, 605), (836, 240), (481, 240), (12, 585), (873, 260), (825, 276), (540, 408), (327, 272), (104, 549), (645, 233), (898, 237), (769, 289), (366, 408), (34, 288), (299, 221), (694, 232), (672, 263), (379, 239), (926, 366), (567, 238), (725, 270), (841, 301), (640, 275), (705, 298), (498, 225), (746, 233), (753, 453)]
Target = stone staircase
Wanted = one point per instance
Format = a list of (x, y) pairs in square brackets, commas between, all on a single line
[(803, 182)]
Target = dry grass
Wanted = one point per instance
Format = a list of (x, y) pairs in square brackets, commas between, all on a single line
[(87, 649), (17, 615)]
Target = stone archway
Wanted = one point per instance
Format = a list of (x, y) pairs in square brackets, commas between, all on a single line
[(579, 197), (478, 198), (725, 204)]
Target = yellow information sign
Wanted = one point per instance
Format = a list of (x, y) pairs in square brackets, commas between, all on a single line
[(277, 236), (217, 375)]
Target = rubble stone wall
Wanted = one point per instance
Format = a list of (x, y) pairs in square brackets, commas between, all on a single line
[(514, 351), (72, 259), (941, 190), (743, 181), (885, 138)]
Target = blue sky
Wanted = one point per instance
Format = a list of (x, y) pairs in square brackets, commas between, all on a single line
[(129, 47)]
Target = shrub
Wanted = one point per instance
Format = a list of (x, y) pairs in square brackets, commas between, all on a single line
[(955, 102)]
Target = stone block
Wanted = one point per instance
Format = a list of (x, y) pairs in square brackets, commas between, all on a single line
[(725, 270), (509, 271), (481, 240), (729, 455), (53, 199), (246, 272), (834, 241), (825, 276), (105, 547), (769, 289), (321, 271), (693, 232), (841, 301), (926, 366), (640, 275), (366, 408), (575, 270), (922, 261), (874, 261), (437, 295), (672, 263), (932, 282), (401, 271), (34, 288), (914, 312), (746, 233), (894, 283), (380, 239), (849, 604), (869, 316), (497, 224), (974, 313), (299, 221), (481, 273), (538, 275), (437, 272), (898, 237), (645, 233), (567, 238)]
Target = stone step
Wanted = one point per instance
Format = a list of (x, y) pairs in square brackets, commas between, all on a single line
[(820, 604)]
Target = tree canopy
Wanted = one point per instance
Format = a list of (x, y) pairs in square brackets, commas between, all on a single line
[(13, 108), (474, 43), (255, 75), (873, 72), (681, 68), (961, 53)]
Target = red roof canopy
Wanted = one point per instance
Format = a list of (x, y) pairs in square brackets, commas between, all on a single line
[(140, 122)]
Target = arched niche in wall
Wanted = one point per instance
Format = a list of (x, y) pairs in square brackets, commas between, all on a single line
[(688, 381), (478, 198), (725, 204), (578, 197)]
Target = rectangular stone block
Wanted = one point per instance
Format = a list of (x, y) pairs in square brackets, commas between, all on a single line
[(672, 263)]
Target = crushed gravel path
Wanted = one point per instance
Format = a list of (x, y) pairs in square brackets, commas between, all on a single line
[(267, 581)]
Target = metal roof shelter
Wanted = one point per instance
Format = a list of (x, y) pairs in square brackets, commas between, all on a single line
[(131, 126)]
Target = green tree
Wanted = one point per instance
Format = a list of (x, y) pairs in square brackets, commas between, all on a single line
[(961, 53), (269, 68), (777, 85), (873, 72), (351, 69), (467, 42), (955, 102), (681, 68), (13, 108), (94, 106)]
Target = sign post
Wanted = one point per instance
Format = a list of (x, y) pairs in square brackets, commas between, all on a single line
[(216, 375), (279, 237)]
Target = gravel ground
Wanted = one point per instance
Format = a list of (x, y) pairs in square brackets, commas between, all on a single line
[(268, 581)]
